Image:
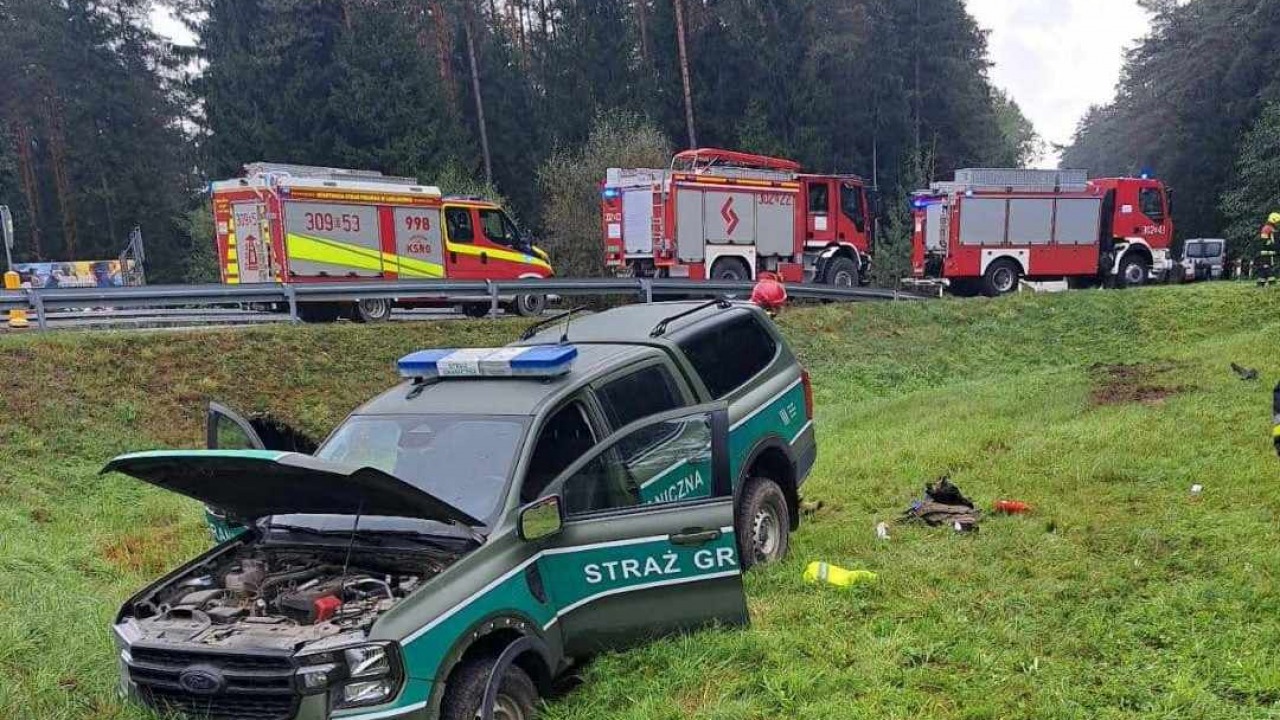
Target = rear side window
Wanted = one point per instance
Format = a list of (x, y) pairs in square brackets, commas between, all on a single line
[(640, 394), (730, 355)]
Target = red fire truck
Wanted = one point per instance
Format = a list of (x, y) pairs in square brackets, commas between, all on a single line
[(728, 215), (300, 224), (991, 227)]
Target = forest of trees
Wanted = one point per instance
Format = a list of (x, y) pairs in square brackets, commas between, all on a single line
[(104, 125), (1197, 106)]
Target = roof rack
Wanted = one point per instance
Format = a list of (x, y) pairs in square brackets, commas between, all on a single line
[(267, 169), (702, 158), (660, 329)]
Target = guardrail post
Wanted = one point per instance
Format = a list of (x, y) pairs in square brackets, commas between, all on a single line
[(42, 321), (292, 296), (493, 298), (646, 289)]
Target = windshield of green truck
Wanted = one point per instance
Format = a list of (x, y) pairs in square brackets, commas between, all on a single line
[(464, 460)]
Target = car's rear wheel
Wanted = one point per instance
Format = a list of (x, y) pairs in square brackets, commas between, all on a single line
[(371, 310), (531, 305), (517, 696), (763, 523)]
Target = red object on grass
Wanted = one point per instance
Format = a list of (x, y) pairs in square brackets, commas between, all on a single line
[(1012, 507)]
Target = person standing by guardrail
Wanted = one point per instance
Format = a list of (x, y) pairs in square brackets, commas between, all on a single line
[(1267, 255)]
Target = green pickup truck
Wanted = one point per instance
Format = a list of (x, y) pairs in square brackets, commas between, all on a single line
[(462, 539)]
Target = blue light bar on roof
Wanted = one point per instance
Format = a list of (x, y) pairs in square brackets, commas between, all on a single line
[(535, 361)]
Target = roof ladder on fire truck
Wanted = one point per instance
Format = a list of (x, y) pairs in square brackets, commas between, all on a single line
[(657, 221)]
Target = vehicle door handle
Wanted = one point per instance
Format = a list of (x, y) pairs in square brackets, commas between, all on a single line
[(695, 536), (484, 258)]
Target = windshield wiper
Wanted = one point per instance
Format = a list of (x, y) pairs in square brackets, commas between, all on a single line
[(304, 530), (373, 537)]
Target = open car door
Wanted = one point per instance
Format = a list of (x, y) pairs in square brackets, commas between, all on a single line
[(226, 429), (628, 565)]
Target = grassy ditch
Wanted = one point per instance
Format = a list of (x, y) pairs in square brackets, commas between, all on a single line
[(1119, 596)]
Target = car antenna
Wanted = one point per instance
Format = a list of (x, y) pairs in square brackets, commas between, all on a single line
[(536, 327), (564, 337)]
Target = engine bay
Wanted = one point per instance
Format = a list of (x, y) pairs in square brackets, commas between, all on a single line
[(257, 596)]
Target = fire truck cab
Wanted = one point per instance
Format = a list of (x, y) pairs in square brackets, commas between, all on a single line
[(990, 228), (300, 224), (725, 215)]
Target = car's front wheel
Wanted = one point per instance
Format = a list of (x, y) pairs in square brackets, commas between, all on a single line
[(517, 695), (763, 524)]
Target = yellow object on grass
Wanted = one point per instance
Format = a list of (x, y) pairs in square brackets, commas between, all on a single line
[(838, 576)]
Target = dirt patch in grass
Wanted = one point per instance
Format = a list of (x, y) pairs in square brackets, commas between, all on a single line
[(149, 552), (1139, 384)]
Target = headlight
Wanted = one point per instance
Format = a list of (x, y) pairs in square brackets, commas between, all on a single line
[(366, 693), (367, 661), (355, 676)]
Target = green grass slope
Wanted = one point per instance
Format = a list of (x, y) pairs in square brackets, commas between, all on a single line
[(1120, 596)]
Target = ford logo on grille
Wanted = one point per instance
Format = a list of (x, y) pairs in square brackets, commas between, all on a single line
[(202, 680)]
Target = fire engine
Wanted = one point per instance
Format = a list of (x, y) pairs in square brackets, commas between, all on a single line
[(992, 227), (300, 224), (725, 215)]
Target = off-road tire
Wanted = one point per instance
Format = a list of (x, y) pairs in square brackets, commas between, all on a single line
[(1001, 278), (1133, 272), (762, 523), (517, 698), (842, 273), (372, 310), (530, 305), (731, 270)]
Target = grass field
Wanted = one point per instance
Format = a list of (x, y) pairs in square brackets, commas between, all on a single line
[(1120, 596)]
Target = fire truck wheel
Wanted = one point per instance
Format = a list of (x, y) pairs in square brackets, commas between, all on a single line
[(1001, 278), (475, 310), (371, 311), (763, 523), (1133, 271), (731, 270), (531, 305), (842, 273)]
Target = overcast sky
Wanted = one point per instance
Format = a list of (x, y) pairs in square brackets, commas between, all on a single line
[(1058, 57), (1055, 57)]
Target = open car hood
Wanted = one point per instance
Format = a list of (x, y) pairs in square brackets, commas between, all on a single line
[(250, 484)]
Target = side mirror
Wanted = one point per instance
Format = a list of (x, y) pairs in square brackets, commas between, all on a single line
[(542, 519)]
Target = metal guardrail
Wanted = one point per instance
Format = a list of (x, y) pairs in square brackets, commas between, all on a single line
[(40, 302)]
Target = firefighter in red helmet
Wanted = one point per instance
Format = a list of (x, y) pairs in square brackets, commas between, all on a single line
[(769, 293)]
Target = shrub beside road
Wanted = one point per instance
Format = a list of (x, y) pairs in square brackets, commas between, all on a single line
[(1121, 595)]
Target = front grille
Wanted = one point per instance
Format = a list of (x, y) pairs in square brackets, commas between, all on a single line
[(256, 687)]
